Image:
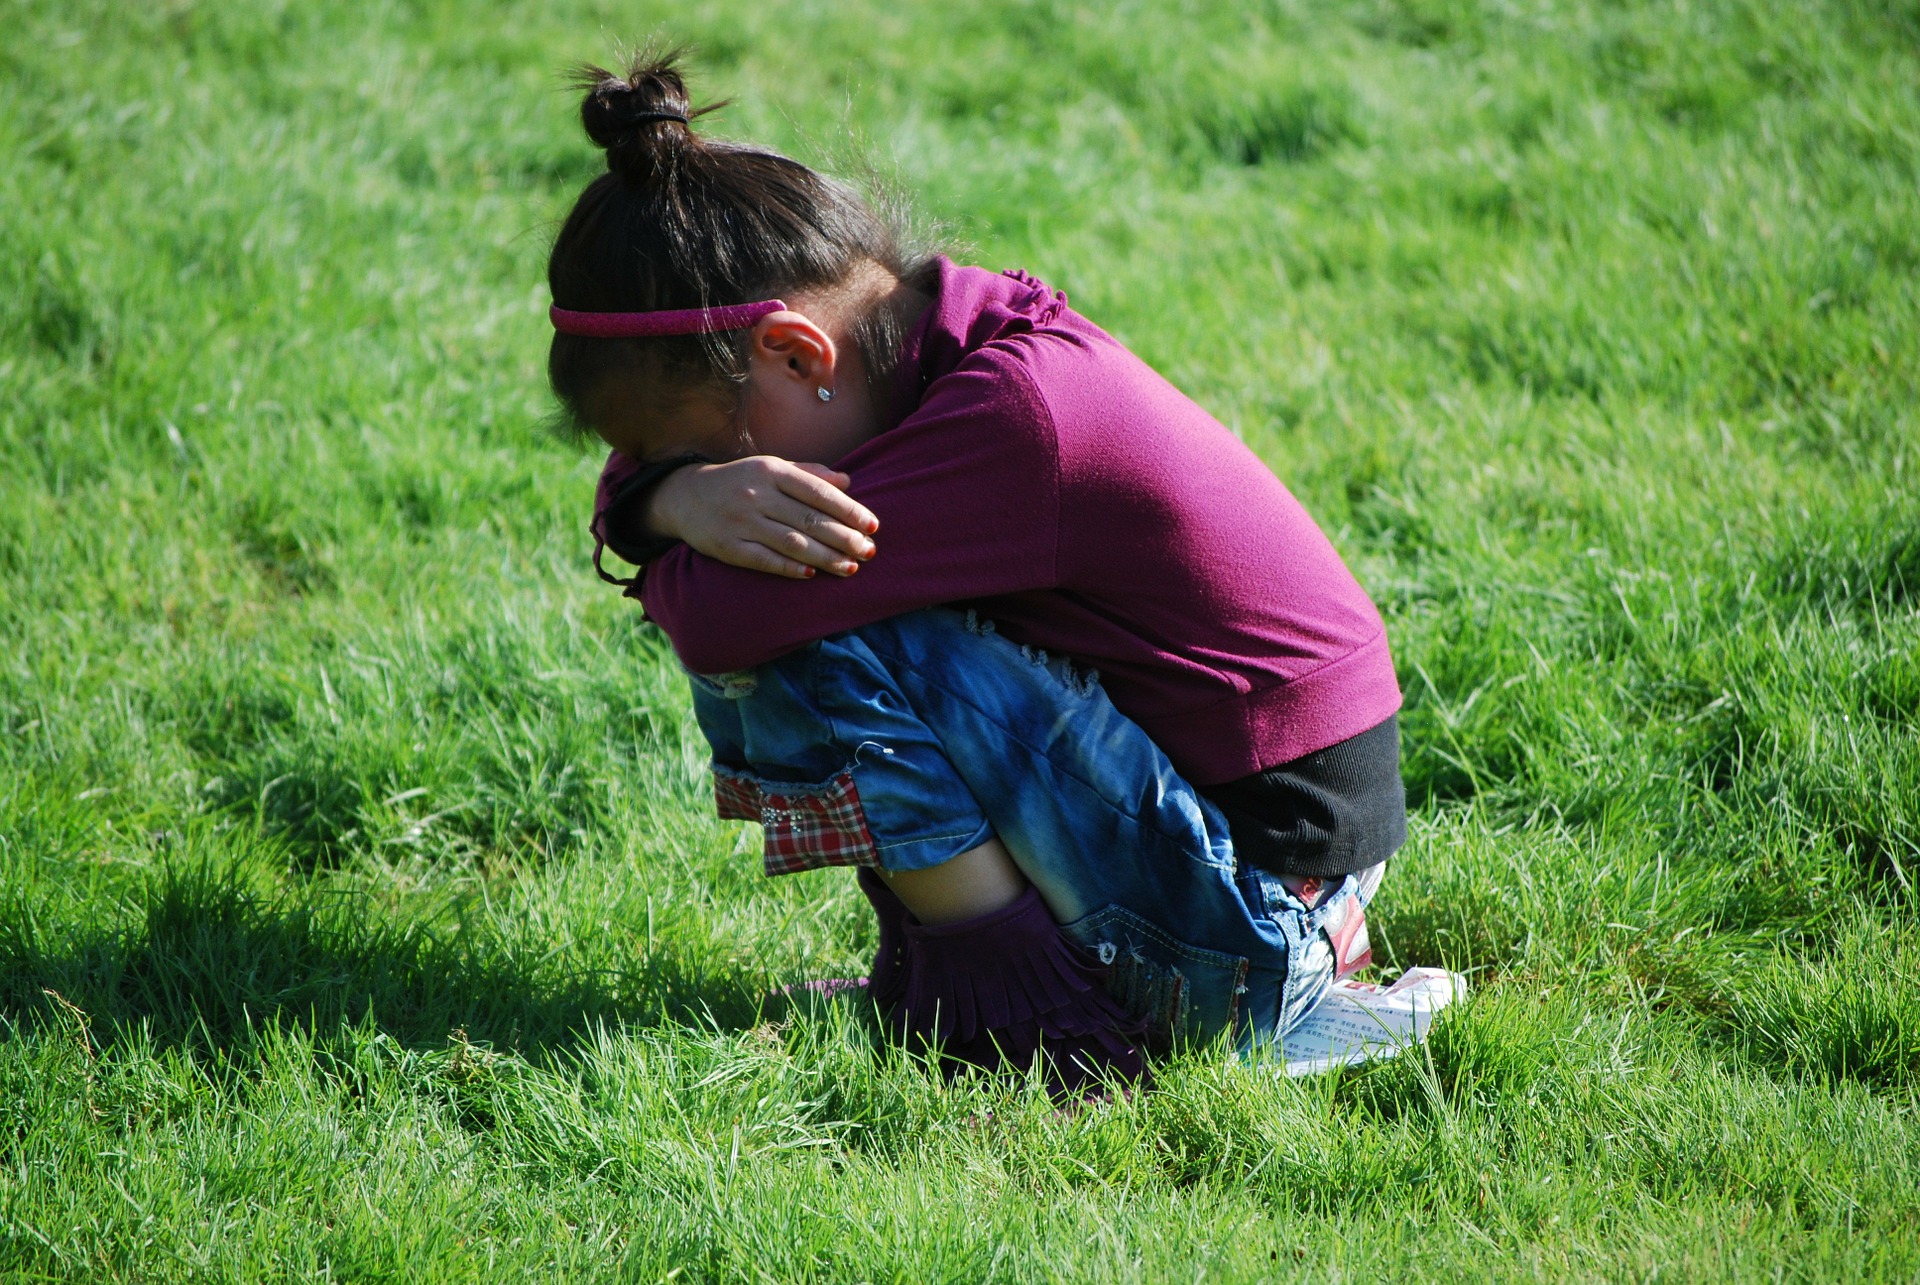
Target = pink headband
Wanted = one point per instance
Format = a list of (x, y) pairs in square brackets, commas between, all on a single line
[(651, 325)]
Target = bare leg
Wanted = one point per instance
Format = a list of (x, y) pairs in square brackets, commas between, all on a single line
[(977, 882)]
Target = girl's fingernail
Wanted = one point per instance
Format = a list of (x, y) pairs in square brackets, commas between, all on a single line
[(871, 527), (848, 568), (806, 573)]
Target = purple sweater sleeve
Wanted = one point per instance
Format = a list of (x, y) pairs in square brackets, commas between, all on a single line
[(967, 491)]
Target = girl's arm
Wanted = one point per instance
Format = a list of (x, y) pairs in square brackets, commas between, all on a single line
[(966, 489), (761, 512)]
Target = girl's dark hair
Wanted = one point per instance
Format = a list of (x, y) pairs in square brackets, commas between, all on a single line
[(681, 221)]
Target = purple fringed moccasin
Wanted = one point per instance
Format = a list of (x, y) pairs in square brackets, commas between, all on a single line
[(998, 990)]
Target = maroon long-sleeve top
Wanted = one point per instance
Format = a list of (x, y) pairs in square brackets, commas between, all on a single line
[(1051, 479)]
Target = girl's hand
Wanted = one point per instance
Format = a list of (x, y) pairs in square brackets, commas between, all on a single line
[(766, 514)]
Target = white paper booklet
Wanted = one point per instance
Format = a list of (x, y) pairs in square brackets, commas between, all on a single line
[(1359, 1021)]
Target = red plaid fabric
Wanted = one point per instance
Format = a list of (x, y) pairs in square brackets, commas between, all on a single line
[(805, 827)]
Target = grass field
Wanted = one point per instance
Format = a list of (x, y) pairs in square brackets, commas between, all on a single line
[(362, 916)]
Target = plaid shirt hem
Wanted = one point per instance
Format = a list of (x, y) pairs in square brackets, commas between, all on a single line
[(806, 827)]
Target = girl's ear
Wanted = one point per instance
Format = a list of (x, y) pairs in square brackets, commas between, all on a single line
[(789, 344)]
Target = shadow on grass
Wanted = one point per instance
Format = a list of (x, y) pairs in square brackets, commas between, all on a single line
[(1849, 1014), (205, 964)]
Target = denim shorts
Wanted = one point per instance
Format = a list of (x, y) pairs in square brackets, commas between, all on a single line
[(907, 742)]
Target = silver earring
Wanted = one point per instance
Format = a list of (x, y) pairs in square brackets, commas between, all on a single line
[(826, 394)]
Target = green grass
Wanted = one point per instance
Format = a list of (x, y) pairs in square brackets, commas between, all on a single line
[(361, 912)]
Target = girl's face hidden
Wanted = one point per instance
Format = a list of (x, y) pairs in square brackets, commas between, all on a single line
[(781, 412)]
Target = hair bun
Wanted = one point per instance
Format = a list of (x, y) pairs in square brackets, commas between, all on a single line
[(642, 119)]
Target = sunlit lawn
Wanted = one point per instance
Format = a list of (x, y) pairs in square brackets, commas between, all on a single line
[(362, 915)]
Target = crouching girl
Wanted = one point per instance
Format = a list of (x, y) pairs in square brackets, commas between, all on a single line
[(1095, 711)]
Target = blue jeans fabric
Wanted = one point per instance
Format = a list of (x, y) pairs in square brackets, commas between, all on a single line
[(952, 734)]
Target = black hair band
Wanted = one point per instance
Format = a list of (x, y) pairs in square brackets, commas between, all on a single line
[(647, 118)]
